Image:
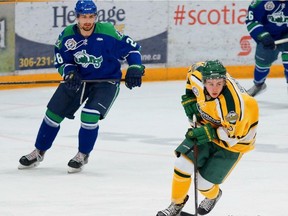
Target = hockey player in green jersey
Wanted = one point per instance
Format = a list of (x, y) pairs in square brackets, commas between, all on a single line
[(85, 54), (227, 119)]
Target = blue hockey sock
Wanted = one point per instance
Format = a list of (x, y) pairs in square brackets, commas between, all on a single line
[(286, 73), (46, 135), (87, 139), (260, 74)]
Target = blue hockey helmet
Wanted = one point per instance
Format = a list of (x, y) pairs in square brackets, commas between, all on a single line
[(85, 7)]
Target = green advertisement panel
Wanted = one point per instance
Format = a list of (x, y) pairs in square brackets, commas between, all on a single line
[(7, 37)]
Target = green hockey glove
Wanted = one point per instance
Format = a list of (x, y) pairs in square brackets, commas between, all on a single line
[(203, 134), (190, 106)]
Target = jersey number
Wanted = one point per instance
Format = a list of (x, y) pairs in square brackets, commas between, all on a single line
[(130, 41), (59, 58), (250, 15)]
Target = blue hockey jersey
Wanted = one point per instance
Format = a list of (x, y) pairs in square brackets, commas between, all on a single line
[(267, 16), (98, 56)]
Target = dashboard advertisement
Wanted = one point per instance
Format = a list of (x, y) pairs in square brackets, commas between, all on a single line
[(37, 33), (7, 38), (171, 33)]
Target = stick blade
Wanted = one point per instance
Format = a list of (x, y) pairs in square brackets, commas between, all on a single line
[(183, 213)]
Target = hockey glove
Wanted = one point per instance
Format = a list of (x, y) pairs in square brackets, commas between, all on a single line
[(72, 80), (203, 134), (134, 75), (190, 106), (267, 41)]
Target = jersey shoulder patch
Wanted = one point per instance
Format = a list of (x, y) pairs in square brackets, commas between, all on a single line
[(68, 31), (255, 3)]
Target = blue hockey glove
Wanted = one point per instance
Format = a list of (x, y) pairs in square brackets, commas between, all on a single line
[(203, 134), (134, 75), (268, 42), (190, 106), (72, 80)]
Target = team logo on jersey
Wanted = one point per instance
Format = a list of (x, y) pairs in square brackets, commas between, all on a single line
[(83, 58), (119, 33), (253, 3), (71, 44), (231, 117), (278, 16), (269, 6), (195, 91), (209, 118), (57, 44)]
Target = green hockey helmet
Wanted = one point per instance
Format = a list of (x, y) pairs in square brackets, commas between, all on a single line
[(212, 69)]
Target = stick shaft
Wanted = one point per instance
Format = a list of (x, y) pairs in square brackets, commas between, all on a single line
[(56, 81), (195, 124), (281, 41), (195, 151)]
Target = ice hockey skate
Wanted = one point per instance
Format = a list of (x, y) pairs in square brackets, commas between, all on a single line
[(208, 204), (173, 209), (31, 160), (76, 164), (257, 89)]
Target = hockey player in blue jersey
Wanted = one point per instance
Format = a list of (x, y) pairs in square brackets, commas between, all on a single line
[(85, 54), (266, 22)]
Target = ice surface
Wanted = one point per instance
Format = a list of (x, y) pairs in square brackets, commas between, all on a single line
[(130, 169)]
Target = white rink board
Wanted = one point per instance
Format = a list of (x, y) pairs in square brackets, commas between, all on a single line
[(210, 29), (42, 22)]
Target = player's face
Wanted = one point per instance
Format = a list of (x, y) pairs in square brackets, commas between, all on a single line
[(86, 22), (214, 86)]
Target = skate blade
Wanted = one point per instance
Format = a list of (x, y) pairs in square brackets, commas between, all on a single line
[(22, 167), (260, 92), (72, 170), (183, 213)]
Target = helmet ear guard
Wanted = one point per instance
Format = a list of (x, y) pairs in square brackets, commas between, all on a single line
[(85, 7), (212, 69)]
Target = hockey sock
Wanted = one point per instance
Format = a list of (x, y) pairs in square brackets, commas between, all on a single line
[(180, 186), (88, 132), (286, 73), (211, 193), (46, 134), (260, 74), (87, 139), (285, 64)]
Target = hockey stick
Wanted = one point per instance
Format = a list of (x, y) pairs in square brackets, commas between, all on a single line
[(195, 149), (281, 41), (183, 213), (56, 81), (186, 214), (195, 153)]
